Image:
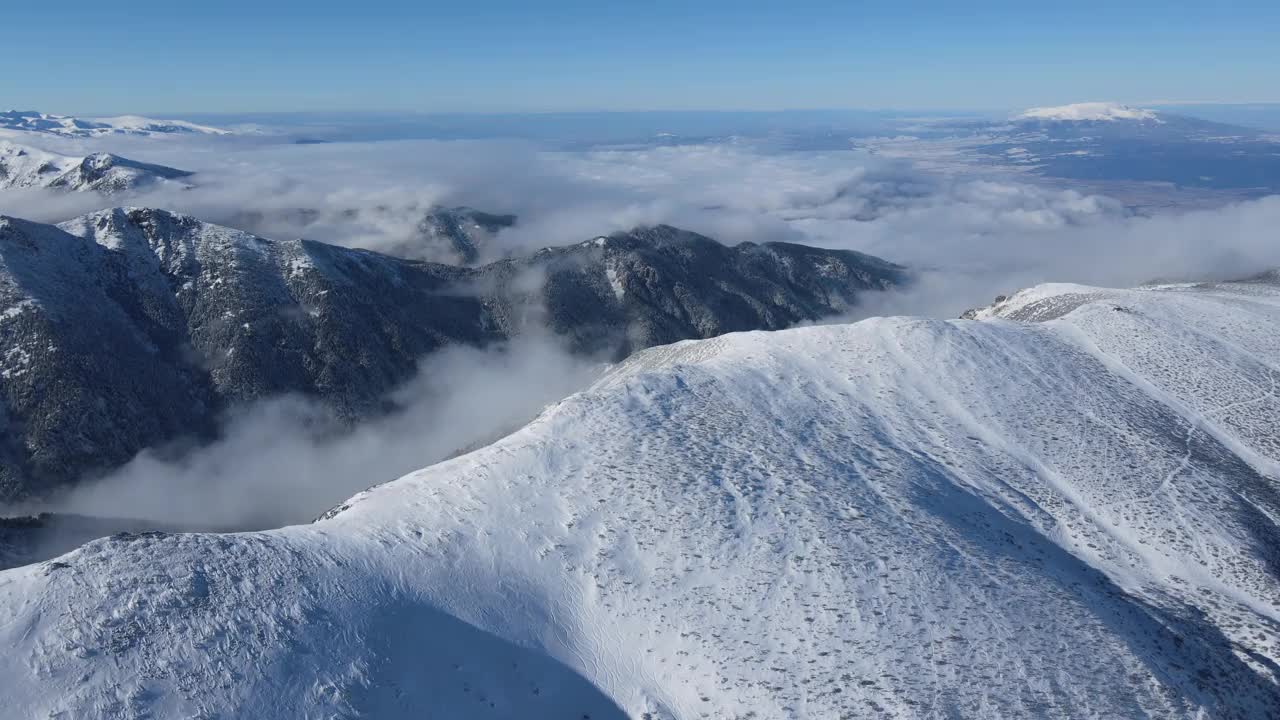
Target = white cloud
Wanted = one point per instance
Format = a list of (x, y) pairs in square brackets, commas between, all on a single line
[(287, 460), (970, 239), (1000, 229)]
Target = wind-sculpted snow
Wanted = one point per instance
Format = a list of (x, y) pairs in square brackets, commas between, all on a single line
[(898, 518)]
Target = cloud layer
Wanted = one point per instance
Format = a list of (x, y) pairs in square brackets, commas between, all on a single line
[(969, 238), (287, 460)]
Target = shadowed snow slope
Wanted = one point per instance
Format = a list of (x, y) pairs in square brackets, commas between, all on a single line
[(1075, 517)]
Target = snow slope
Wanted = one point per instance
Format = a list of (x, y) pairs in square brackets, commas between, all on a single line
[(1073, 515), (66, 126), (27, 167)]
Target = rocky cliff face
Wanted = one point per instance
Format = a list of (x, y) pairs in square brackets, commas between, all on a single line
[(652, 286), (127, 328)]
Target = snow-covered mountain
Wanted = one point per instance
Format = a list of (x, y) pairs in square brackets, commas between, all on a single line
[(1141, 156), (66, 126), (1069, 514), (26, 167), (131, 327), (1104, 121), (1089, 112), (1109, 142)]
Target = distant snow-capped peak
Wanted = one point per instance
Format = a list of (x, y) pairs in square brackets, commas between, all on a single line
[(28, 167), (139, 124), (32, 121), (1090, 111)]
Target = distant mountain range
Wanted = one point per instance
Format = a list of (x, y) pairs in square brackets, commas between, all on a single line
[(26, 167), (1112, 121), (130, 327), (453, 235), (1103, 142), (1087, 112), (66, 126)]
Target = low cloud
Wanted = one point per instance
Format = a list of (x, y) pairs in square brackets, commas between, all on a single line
[(967, 238), (287, 460), (1002, 227)]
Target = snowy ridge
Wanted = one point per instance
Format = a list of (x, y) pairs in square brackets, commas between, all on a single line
[(1090, 111), (902, 517), (26, 167), (136, 124), (66, 126)]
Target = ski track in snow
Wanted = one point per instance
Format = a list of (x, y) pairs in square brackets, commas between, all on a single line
[(1066, 509)]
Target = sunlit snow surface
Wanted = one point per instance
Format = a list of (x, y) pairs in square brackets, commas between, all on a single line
[(1066, 509), (27, 167)]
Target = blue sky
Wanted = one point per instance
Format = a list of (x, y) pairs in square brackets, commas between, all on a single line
[(565, 55)]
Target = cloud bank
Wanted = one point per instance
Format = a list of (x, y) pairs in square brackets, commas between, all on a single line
[(968, 238), (287, 460)]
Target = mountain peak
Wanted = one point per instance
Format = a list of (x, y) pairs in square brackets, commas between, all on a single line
[(1089, 112), (24, 167)]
